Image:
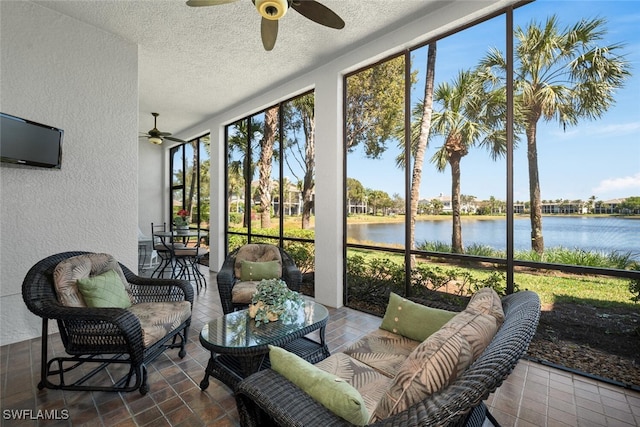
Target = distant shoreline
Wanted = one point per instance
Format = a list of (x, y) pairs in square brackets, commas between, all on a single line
[(371, 219)]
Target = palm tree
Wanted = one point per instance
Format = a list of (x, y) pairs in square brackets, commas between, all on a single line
[(265, 162), (238, 142), (420, 131), (469, 116), (559, 75)]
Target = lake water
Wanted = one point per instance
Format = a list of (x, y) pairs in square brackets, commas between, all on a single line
[(602, 234)]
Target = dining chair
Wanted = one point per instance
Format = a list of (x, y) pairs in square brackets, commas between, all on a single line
[(180, 258), (187, 259), (163, 250)]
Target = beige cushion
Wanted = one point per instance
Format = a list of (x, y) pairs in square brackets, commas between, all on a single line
[(242, 292), (157, 319), (191, 252), (433, 365), (67, 273), (256, 252), (487, 301), (382, 350)]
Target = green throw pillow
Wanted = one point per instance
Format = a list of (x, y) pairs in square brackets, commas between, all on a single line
[(250, 270), (333, 393), (104, 290), (413, 320)]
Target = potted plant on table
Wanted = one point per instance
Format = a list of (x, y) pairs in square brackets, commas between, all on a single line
[(273, 300), (181, 222)]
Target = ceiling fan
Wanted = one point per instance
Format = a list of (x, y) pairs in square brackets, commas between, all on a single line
[(272, 10), (154, 136)]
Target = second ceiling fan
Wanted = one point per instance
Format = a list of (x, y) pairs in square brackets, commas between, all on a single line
[(272, 10)]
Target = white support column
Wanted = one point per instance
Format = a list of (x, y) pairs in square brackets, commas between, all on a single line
[(218, 195), (329, 190)]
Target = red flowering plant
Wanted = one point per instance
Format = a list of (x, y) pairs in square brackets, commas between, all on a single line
[(181, 218)]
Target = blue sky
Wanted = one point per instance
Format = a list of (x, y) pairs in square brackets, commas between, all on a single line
[(594, 158)]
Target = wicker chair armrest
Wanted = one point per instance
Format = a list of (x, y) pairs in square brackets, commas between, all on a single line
[(79, 324), (288, 405), (226, 280), (283, 402), (290, 272), (145, 289)]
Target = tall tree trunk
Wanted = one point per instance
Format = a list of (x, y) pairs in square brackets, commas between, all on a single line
[(246, 218), (192, 184), (310, 164), (456, 235), (265, 163), (423, 138), (537, 240)]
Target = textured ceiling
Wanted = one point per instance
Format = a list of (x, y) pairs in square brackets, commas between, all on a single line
[(197, 62)]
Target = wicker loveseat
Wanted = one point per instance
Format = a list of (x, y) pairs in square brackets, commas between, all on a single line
[(99, 336), (268, 398)]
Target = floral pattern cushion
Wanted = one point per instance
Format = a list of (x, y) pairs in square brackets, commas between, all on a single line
[(157, 319), (67, 273), (370, 383), (382, 350)]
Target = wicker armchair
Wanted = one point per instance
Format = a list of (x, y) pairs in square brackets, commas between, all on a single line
[(107, 337), (267, 398), (228, 276)]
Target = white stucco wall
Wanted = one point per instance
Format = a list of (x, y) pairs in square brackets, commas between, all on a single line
[(152, 184), (65, 73), (327, 81)]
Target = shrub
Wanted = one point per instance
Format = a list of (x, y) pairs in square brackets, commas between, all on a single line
[(235, 217), (369, 281)]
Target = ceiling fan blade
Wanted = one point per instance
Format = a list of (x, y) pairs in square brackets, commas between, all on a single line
[(318, 12), (200, 3), (269, 33), (170, 138)]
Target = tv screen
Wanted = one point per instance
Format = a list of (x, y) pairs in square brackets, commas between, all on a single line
[(24, 142)]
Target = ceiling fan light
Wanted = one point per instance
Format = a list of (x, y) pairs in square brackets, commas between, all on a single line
[(155, 140), (272, 9)]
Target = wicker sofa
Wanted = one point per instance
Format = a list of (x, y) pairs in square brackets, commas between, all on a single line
[(268, 398)]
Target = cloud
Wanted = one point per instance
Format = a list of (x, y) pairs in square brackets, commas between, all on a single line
[(621, 184), (617, 129)]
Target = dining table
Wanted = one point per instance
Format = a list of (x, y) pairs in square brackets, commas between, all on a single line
[(179, 254)]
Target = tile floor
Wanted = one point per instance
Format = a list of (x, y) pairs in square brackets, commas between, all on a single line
[(533, 395)]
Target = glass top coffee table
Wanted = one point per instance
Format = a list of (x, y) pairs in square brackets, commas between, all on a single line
[(239, 348)]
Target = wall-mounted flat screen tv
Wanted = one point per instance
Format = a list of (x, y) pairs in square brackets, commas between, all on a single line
[(24, 142)]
